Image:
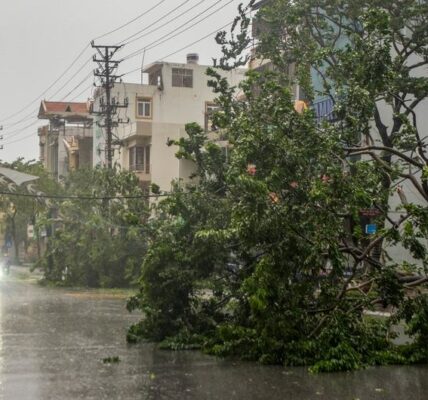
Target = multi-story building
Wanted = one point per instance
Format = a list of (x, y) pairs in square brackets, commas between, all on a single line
[(66, 141), (323, 106), (157, 111)]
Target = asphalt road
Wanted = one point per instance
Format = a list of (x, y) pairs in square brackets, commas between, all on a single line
[(53, 342)]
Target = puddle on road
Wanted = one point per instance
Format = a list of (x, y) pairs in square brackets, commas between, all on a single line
[(53, 343)]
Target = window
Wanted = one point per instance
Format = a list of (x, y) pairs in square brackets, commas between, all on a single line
[(139, 158), (210, 109), (182, 77), (147, 159), (136, 158), (144, 108)]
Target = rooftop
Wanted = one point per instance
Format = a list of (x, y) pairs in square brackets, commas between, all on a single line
[(69, 111)]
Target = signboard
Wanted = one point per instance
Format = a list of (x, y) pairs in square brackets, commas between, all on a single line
[(370, 212), (371, 229)]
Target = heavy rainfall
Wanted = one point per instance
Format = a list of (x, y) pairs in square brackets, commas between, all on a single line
[(214, 199)]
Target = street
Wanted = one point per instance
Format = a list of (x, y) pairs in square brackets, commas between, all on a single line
[(53, 342)]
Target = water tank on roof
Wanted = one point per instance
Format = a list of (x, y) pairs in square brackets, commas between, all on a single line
[(192, 58)]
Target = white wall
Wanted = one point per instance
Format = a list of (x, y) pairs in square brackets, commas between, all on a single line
[(172, 108)]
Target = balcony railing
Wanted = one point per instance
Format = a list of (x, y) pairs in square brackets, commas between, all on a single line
[(324, 110)]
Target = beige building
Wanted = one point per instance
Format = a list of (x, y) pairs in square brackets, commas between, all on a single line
[(66, 141), (174, 95)]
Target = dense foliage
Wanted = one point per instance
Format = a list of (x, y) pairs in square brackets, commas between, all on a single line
[(20, 211), (96, 232), (264, 256)]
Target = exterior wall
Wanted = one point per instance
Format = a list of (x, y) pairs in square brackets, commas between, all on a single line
[(85, 153), (172, 108), (53, 152), (398, 253)]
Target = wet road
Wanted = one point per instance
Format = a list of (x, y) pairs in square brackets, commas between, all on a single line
[(52, 343)]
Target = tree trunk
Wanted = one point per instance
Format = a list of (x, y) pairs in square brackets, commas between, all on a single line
[(14, 238)]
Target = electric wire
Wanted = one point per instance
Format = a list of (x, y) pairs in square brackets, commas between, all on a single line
[(53, 84), (71, 78), (22, 130), (23, 119), (90, 75), (28, 116), (70, 66), (131, 21), (83, 91), (19, 131), (127, 40), (174, 32), (24, 137), (137, 69), (184, 47), (61, 197)]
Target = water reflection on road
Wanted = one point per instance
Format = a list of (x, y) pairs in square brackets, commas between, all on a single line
[(52, 343)]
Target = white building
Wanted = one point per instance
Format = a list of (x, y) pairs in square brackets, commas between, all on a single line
[(175, 94)]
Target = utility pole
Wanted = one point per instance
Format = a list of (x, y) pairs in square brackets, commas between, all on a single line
[(106, 71)]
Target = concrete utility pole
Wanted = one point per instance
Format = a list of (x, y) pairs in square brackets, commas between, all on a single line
[(106, 71)]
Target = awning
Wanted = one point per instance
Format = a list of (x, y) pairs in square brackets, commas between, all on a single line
[(18, 178)]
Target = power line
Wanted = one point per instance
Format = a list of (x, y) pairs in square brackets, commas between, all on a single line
[(28, 116), (22, 138), (77, 86), (60, 197), (22, 130), (185, 47), (199, 40), (131, 21), (127, 41), (71, 78), (53, 84), (23, 119), (138, 69), (83, 91), (174, 32), (80, 54)]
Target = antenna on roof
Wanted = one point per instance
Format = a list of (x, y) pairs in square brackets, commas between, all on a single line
[(142, 66)]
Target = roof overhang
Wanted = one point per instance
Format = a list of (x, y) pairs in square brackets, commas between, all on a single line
[(18, 178), (64, 111), (153, 67)]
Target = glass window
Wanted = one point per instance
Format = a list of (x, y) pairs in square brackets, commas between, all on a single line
[(182, 77), (144, 108), (136, 158)]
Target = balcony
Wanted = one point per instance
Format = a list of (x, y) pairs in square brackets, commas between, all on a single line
[(324, 110), (142, 173), (143, 176)]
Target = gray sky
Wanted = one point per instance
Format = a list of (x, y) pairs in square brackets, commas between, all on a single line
[(39, 39)]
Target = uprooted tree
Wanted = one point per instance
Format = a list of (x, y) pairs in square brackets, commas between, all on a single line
[(264, 256)]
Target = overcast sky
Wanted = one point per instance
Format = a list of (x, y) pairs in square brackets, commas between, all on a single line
[(39, 39)]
